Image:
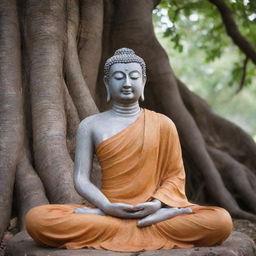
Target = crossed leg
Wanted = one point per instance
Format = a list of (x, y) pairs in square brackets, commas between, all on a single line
[(158, 216)]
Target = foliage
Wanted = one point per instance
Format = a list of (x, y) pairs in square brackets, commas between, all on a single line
[(204, 57), (180, 20)]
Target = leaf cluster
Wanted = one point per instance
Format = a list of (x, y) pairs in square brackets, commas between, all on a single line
[(181, 20)]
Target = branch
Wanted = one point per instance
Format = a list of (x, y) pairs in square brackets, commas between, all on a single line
[(243, 75), (156, 2), (232, 30)]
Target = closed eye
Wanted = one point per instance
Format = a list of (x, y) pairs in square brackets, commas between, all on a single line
[(134, 75), (118, 75)]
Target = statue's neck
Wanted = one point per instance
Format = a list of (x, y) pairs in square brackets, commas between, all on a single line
[(132, 109)]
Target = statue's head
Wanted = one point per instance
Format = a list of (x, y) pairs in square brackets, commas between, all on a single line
[(125, 76)]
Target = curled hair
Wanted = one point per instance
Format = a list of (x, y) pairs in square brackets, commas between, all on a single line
[(124, 55)]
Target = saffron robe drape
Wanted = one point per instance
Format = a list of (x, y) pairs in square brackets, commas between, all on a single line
[(141, 162)]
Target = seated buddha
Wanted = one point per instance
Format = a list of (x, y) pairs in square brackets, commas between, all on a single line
[(142, 203)]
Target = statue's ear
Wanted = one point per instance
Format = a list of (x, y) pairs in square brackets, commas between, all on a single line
[(107, 89), (142, 98)]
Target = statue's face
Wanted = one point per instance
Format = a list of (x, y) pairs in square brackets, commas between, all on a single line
[(126, 82)]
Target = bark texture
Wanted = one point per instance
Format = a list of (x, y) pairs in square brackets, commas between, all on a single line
[(11, 116), (52, 54)]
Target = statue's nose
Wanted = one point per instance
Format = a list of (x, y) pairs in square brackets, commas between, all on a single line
[(127, 83)]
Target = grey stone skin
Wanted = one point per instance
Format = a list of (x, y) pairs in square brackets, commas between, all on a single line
[(125, 85)]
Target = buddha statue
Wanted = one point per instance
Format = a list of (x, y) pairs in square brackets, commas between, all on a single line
[(142, 203)]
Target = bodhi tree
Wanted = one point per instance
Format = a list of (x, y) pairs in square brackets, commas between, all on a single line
[(51, 74)]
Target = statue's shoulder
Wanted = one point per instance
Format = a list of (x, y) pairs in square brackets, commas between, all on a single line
[(90, 122), (164, 120), (167, 126)]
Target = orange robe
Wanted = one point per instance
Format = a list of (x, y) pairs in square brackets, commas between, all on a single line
[(139, 163)]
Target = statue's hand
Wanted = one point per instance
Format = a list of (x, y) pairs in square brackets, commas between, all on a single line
[(147, 208), (161, 215), (120, 210)]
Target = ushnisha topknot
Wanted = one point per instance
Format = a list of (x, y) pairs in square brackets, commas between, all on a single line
[(124, 55)]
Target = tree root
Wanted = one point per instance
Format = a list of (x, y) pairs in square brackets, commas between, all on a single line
[(78, 89), (11, 116), (236, 178), (29, 189), (46, 25), (100, 97), (229, 155), (219, 132), (72, 122), (90, 40)]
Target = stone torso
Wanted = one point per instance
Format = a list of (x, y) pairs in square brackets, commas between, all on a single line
[(107, 124)]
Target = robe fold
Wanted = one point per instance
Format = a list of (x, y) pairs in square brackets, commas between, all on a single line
[(140, 163)]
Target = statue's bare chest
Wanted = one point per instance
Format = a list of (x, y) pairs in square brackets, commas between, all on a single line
[(106, 128)]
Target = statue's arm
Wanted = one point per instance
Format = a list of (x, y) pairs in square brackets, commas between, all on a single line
[(83, 165), (83, 185)]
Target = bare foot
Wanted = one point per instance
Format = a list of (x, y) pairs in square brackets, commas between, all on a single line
[(161, 215), (86, 210)]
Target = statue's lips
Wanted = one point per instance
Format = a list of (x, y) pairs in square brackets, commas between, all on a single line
[(126, 91)]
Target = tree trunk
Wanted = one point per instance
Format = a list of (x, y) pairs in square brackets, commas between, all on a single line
[(52, 54)]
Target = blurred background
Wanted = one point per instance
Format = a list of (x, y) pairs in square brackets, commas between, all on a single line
[(205, 58)]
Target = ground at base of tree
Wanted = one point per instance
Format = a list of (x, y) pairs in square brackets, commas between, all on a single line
[(247, 227), (238, 244)]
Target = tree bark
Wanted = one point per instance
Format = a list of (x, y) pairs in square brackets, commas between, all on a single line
[(75, 80), (45, 28), (11, 116)]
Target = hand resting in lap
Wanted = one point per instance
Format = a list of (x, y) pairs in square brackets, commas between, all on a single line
[(161, 215), (149, 212)]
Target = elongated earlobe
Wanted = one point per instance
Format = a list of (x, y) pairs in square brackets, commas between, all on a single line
[(142, 98), (107, 89), (108, 95)]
